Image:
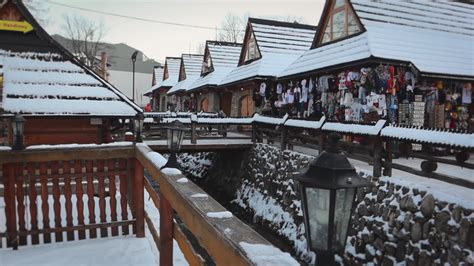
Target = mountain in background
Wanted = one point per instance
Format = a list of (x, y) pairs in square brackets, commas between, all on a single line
[(118, 56)]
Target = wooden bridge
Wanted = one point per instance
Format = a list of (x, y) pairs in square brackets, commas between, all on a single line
[(370, 143)]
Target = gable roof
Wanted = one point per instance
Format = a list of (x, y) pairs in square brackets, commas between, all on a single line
[(224, 56), (279, 44), (191, 67), (158, 73), (42, 78), (171, 68), (436, 37)]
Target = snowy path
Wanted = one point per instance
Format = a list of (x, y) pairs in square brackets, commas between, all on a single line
[(120, 250)]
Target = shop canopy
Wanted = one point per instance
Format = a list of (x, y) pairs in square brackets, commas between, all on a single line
[(170, 74), (189, 72), (42, 78), (219, 58), (269, 47), (435, 37)]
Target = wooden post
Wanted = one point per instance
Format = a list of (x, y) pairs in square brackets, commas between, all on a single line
[(377, 157), (321, 142), (193, 132), (254, 132), (284, 133), (10, 205), (166, 232), (138, 200), (387, 171)]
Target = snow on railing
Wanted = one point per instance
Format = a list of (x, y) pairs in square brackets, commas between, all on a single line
[(309, 124), (270, 120), (432, 136), (372, 130)]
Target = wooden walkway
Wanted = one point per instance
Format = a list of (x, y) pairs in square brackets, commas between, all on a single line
[(203, 145)]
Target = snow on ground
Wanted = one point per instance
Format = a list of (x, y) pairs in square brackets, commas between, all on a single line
[(120, 250), (441, 190)]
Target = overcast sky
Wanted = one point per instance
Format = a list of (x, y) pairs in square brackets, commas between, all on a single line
[(157, 40)]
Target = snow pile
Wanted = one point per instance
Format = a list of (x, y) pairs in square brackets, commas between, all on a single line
[(75, 145), (430, 136), (372, 130), (267, 255), (225, 120), (220, 215), (182, 180)]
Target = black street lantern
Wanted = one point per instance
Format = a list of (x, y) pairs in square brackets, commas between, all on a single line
[(134, 59), (328, 189), (175, 136), (18, 128), (138, 126)]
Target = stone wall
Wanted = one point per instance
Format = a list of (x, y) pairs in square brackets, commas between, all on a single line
[(213, 98), (237, 95), (392, 222)]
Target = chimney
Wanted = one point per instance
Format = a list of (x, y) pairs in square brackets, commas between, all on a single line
[(103, 61)]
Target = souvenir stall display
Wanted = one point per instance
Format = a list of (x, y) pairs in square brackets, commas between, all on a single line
[(388, 92)]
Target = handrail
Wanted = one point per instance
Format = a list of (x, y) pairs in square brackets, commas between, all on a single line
[(220, 236)]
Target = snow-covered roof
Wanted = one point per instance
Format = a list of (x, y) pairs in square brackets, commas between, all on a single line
[(192, 64), (358, 129), (437, 136), (157, 76), (183, 85), (436, 37), (279, 43), (158, 73), (191, 67), (172, 65), (52, 84), (225, 57)]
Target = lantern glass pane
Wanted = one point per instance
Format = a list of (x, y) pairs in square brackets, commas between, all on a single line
[(180, 136), (342, 215), (318, 217), (171, 138)]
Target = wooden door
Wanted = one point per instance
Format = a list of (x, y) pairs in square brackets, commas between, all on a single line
[(247, 107), (226, 102), (205, 105)]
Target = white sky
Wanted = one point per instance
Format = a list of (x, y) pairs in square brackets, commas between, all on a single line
[(157, 40)]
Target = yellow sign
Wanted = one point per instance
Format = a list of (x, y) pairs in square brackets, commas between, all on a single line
[(9, 25)]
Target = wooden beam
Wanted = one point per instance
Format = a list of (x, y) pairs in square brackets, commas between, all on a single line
[(65, 154)]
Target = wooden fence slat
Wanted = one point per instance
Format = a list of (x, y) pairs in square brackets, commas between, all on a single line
[(20, 197), (67, 196), (123, 195), (101, 192), (139, 198), (130, 191), (44, 200), (79, 169), (166, 232), (90, 197), (112, 194), (56, 198), (33, 196), (10, 204)]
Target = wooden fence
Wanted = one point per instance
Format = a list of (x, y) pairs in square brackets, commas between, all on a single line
[(82, 184)]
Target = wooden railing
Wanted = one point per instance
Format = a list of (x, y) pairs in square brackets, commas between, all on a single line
[(88, 191), (83, 184)]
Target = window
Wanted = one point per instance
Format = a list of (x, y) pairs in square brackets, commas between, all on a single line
[(340, 22), (207, 64), (166, 75), (182, 73), (252, 50)]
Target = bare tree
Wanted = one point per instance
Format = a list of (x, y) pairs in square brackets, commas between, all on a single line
[(86, 37), (232, 29), (39, 9)]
